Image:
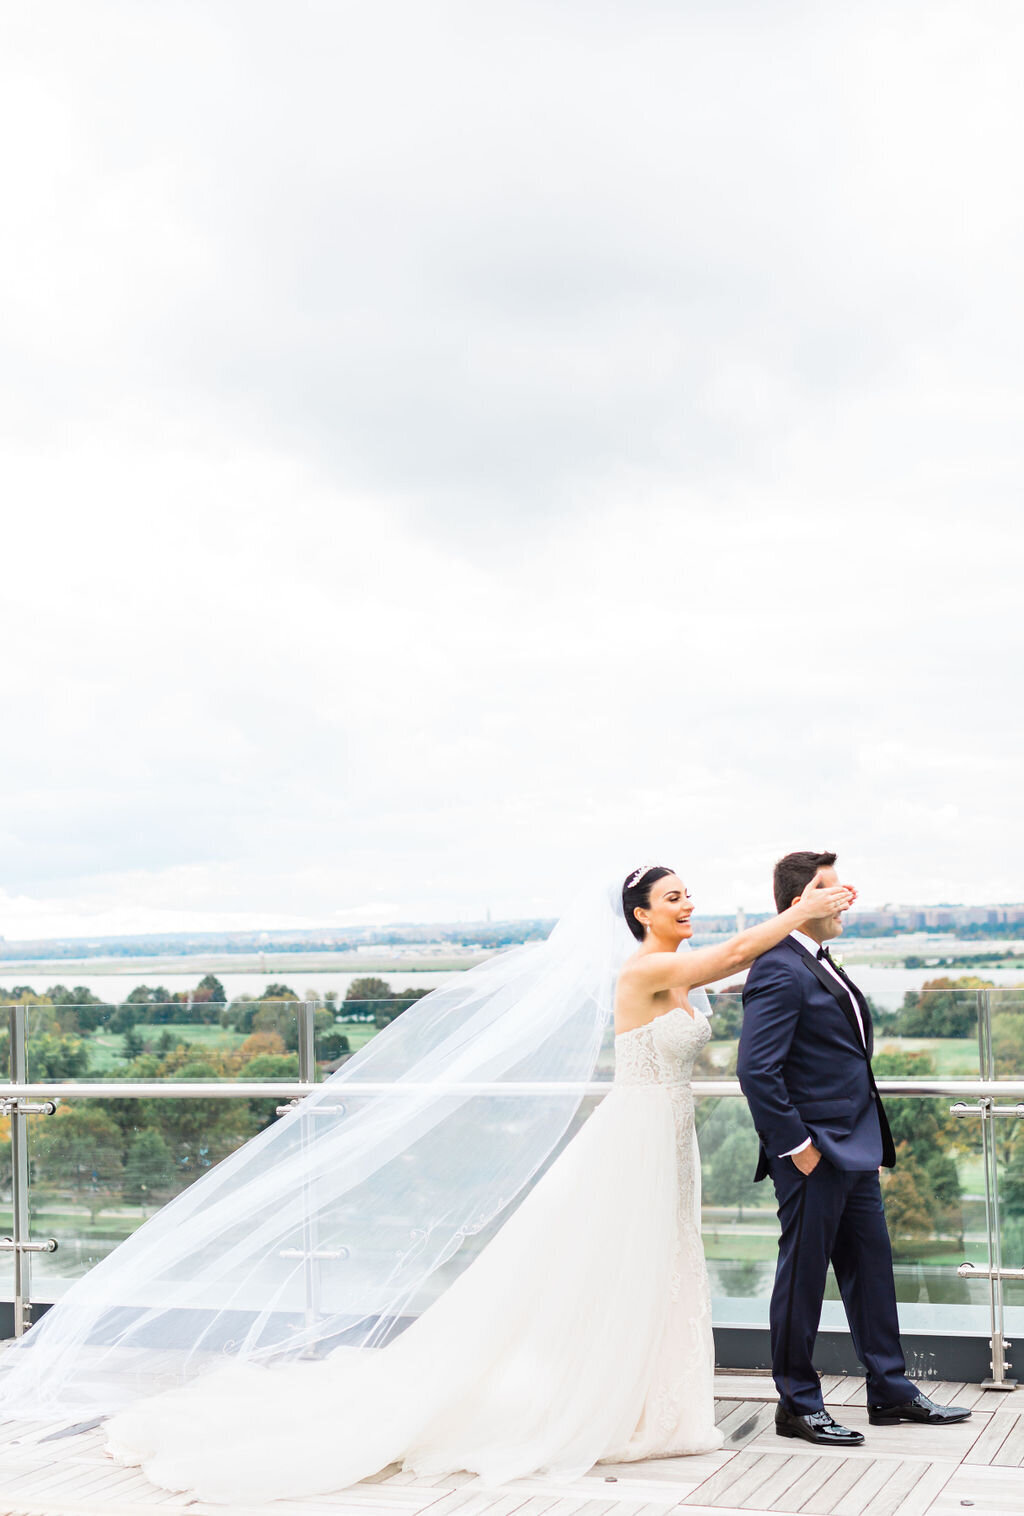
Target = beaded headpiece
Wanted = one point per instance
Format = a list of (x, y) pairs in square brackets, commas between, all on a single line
[(634, 879)]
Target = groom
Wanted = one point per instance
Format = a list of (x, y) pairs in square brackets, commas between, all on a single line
[(805, 1068)]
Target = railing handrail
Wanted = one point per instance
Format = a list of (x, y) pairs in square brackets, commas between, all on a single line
[(291, 1089)]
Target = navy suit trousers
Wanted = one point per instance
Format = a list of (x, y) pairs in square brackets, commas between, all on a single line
[(833, 1216)]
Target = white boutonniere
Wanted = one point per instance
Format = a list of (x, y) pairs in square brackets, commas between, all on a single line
[(838, 960)]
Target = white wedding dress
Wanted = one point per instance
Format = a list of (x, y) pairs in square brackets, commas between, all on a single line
[(580, 1334)]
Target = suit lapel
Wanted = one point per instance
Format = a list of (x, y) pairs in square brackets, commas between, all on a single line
[(835, 989), (869, 1029)]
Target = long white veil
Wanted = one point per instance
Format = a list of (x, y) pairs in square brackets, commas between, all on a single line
[(342, 1221)]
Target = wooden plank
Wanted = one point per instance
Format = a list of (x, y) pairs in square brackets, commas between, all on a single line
[(711, 1491), (753, 1477), (813, 1473), (1000, 1425), (991, 1491), (975, 1398), (485, 1502), (775, 1486), (468, 1502), (880, 1488), (723, 1408), (825, 1498), (846, 1390), (32, 1480), (740, 1416), (67, 1480), (746, 1387), (1010, 1453), (655, 1478), (69, 1476), (571, 1505), (761, 1419), (594, 1508), (929, 1484)]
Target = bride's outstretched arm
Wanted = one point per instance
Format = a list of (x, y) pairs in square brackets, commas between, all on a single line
[(662, 971)]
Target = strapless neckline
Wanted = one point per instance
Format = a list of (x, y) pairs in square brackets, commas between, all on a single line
[(646, 1025)]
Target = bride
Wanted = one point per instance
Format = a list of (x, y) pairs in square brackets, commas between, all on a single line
[(281, 1330)]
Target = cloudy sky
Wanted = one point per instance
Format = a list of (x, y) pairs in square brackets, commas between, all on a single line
[(452, 449)]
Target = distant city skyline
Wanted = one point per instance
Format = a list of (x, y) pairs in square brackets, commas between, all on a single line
[(903, 917)]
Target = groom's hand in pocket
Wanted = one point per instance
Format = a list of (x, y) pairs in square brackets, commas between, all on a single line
[(807, 1159)]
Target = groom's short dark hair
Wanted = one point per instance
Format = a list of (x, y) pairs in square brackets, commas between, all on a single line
[(794, 873)]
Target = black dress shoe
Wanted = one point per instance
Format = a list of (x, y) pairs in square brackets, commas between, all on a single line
[(919, 1409), (816, 1426)]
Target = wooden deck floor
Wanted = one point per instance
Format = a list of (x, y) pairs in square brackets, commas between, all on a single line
[(973, 1468)]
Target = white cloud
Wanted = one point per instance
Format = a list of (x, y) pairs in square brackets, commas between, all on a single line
[(449, 452)]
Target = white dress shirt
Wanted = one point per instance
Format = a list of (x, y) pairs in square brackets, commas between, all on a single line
[(812, 947)]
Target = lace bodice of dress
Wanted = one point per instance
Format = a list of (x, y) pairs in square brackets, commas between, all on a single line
[(663, 1051)]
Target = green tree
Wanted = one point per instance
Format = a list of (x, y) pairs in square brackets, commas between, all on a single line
[(78, 1152), (727, 1020), (149, 1169), (199, 1133), (1008, 1044), (941, 1008), (51, 1057), (926, 1138), (361, 995), (331, 1044), (730, 1176), (133, 1043), (906, 1206), (80, 1010), (272, 1066), (1011, 1189), (385, 1014), (213, 984), (240, 1013)]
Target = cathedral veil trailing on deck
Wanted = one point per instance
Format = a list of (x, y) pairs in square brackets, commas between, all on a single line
[(338, 1225)]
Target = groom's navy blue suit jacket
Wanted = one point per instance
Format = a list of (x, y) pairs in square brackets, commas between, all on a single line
[(803, 1067)]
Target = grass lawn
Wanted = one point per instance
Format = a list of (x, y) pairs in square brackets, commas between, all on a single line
[(219, 1037), (359, 1033), (106, 1049), (954, 1057), (739, 1247)]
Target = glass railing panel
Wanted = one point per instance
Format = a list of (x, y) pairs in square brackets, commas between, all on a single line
[(927, 1032), (6, 1208), (934, 1205), (932, 1033), (344, 1027), (146, 1039), (101, 1167), (739, 1223), (250, 1037), (1007, 1133), (935, 1211)]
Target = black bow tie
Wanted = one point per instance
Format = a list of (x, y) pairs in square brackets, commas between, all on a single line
[(823, 952)]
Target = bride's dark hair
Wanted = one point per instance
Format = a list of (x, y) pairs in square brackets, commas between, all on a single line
[(640, 894)]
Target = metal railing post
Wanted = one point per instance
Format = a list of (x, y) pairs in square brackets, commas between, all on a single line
[(305, 1013), (310, 1238), (993, 1225), (20, 1180)]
